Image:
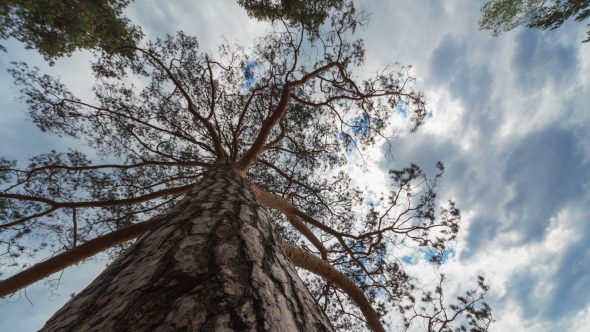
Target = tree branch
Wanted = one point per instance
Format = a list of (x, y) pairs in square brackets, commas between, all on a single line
[(272, 201), (283, 205), (236, 132), (277, 139), (293, 180), (126, 201), (27, 218), (85, 168), (311, 263), (259, 143), (73, 256), (210, 129)]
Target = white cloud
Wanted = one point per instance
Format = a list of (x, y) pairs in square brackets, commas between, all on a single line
[(510, 123)]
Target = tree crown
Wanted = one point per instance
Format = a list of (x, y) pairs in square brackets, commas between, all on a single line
[(58, 28), (501, 16), (287, 113)]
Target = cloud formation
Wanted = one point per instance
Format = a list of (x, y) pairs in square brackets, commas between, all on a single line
[(511, 125)]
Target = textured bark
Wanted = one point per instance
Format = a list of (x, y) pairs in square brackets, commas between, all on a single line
[(213, 264)]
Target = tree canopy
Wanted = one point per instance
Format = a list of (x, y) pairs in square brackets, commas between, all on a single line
[(309, 13), (57, 28), (504, 15), (288, 114)]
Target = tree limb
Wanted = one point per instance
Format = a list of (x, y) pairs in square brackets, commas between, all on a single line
[(311, 263), (271, 201), (126, 201), (84, 168), (73, 256), (259, 143), (236, 132), (27, 218), (283, 205), (210, 129)]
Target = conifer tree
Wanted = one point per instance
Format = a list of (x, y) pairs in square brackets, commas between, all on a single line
[(504, 15), (57, 28), (231, 168)]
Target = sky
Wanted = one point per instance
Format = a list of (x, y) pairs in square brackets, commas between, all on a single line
[(510, 121)]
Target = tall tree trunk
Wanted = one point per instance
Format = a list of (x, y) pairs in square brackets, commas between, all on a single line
[(213, 264)]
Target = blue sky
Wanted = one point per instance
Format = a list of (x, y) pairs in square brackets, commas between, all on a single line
[(510, 120)]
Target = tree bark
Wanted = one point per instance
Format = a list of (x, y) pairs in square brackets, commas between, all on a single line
[(213, 263)]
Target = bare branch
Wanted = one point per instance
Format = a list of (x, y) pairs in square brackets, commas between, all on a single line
[(258, 146), (85, 168), (191, 108), (73, 256), (22, 220), (269, 200), (306, 260), (119, 202)]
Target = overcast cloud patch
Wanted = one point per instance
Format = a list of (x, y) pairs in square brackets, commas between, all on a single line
[(469, 83), (540, 57), (481, 233), (562, 291), (546, 171), (572, 292), (522, 290), (447, 59)]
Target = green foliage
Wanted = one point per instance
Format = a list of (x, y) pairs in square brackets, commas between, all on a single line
[(504, 15), (310, 13), (57, 28)]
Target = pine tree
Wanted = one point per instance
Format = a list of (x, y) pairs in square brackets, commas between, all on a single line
[(57, 28), (230, 170), (504, 15)]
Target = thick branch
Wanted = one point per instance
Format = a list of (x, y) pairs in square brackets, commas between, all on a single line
[(258, 146), (298, 225), (308, 261), (73, 256), (283, 205), (278, 203), (278, 139)]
